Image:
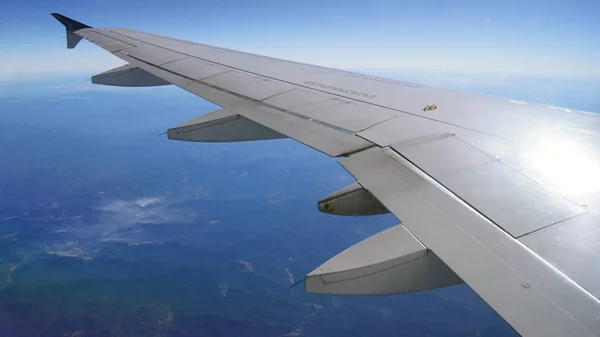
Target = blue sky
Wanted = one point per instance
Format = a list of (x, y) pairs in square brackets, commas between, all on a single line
[(555, 38)]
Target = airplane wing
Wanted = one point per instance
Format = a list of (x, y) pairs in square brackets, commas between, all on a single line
[(497, 193)]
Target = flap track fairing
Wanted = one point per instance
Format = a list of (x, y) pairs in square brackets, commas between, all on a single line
[(128, 76), (387, 263), (352, 200), (221, 126)]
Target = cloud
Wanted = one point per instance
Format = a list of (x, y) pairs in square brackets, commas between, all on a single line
[(130, 242), (119, 218), (299, 330), (295, 332), (66, 98), (314, 305), (146, 209), (290, 275), (143, 202), (248, 267), (223, 290), (68, 249)]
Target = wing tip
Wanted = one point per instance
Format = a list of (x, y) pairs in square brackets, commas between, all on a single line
[(70, 24)]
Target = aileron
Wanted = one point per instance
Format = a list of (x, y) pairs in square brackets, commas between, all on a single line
[(153, 55)]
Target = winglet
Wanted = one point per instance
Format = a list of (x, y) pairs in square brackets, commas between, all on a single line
[(69, 23), (71, 26)]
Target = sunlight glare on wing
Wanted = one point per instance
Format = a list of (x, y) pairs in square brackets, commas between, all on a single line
[(566, 165)]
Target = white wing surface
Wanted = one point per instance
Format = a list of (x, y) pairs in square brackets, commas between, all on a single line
[(500, 194)]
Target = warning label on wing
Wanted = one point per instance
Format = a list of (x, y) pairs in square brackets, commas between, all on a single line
[(338, 89)]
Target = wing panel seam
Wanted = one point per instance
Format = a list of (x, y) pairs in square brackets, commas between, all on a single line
[(315, 89), (312, 120)]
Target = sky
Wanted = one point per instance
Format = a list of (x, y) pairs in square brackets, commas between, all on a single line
[(549, 38)]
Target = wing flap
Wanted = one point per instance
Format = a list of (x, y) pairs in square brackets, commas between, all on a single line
[(402, 128), (326, 139), (100, 39), (248, 85), (532, 296), (572, 246), (111, 33), (194, 68), (153, 55), (178, 80), (487, 185), (344, 113)]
